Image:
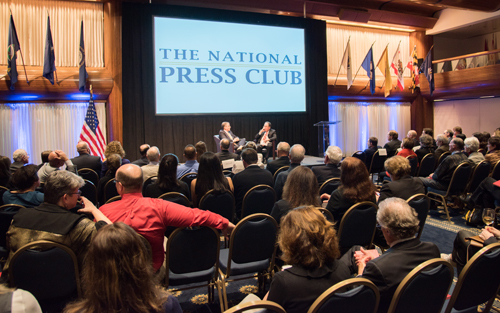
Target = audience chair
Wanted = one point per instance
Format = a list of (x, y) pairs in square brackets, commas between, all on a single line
[(7, 212), (259, 199), (361, 296), (359, 155), (481, 171), (424, 289), (110, 190), (89, 191), (176, 197), (421, 204), (149, 181), (327, 214), (281, 169), (358, 225), (457, 186), (266, 306), (188, 178), (192, 256), (442, 157), (227, 173), (329, 186), (2, 190), (49, 271), (115, 198), (478, 282), (89, 174), (414, 164), (252, 249), (427, 165), (496, 171), (377, 164), (222, 204)]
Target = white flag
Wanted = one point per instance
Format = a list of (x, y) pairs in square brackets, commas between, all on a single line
[(347, 64), (397, 66)]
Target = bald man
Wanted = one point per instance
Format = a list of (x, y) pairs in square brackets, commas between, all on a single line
[(150, 217), (85, 160), (57, 159), (143, 149)]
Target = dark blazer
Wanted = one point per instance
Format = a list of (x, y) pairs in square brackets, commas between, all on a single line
[(369, 155), (403, 188), (15, 166), (392, 146), (281, 180), (245, 180), (88, 161), (338, 205), (226, 155), (223, 135), (422, 152), (141, 162), (275, 165), (154, 191), (102, 183), (325, 172), (280, 209), (271, 135), (441, 150)]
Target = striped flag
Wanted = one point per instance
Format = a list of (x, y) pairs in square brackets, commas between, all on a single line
[(397, 66), (91, 132)]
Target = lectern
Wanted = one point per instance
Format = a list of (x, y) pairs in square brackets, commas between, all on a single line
[(324, 135)]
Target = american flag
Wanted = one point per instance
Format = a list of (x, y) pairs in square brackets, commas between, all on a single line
[(91, 132)]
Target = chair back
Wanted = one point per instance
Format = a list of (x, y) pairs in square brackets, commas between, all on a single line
[(327, 214), (89, 174), (496, 171), (443, 156), (479, 280), (460, 178), (2, 190), (427, 165), (358, 225), (89, 191), (220, 203), (253, 240), (116, 198), (329, 186), (188, 178), (364, 297), (413, 164), (49, 272), (176, 197), (192, 256), (359, 155), (110, 190), (266, 306), (281, 169), (7, 212), (424, 289), (421, 204), (377, 164), (481, 171), (149, 181), (259, 199), (217, 142)]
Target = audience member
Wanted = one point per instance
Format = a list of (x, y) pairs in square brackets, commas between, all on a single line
[(493, 155), (114, 161), (310, 245), (45, 158), (114, 147), (402, 185), (252, 176), (425, 147), (471, 145), (226, 133), (370, 151), (143, 150), (191, 165), (25, 181), (483, 143), (412, 135), (355, 186), (407, 148), (224, 154), (167, 179), (485, 195), (201, 148), (20, 157), (443, 146), (449, 134), (457, 132), (18, 301), (399, 223), (430, 132), (441, 177), (151, 169), (114, 280), (393, 144), (209, 177), (85, 160), (264, 139), (238, 165), (333, 156), (297, 154), (5, 171), (301, 189), (57, 159), (150, 217), (282, 160), (497, 132)]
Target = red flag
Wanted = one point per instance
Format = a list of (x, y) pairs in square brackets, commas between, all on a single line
[(397, 66), (91, 132)]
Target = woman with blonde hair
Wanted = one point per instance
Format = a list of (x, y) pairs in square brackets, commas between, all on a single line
[(118, 276), (113, 147)]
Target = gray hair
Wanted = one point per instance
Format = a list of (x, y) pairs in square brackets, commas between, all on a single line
[(397, 166), (412, 133), (459, 143), (60, 183), (82, 146), (19, 154), (426, 140), (284, 146), (297, 153), (443, 139), (334, 154), (153, 154), (472, 143), (398, 217)]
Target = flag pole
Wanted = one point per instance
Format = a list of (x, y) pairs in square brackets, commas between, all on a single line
[(385, 78), (22, 58), (341, 62), (426, 57), (361, 66)]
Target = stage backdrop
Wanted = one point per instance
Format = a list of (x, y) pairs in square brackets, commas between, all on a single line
[(172, 133)]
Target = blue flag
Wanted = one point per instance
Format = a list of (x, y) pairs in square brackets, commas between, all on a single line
[(12, 48), (370, 69), (427, 70), (49, 60), (82, 78)]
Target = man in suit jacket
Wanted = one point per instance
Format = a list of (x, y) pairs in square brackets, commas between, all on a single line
[(402, 185), (370, 151), (265, 138), (394, 143), (21, 158), (151, 169), (224, 154), (252, 176), (85, 160), (226, 133), (143, 150), (412, 134), (399, 223), (282, 160), (333, 155), (443, 146), (297, 153)]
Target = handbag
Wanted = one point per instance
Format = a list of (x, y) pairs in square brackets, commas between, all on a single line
[(474, 217)]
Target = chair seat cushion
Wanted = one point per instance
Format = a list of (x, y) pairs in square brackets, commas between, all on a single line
[(190, 278), (240, 269)]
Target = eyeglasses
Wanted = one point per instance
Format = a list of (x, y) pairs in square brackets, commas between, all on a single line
[(79, 193), (378, 226)]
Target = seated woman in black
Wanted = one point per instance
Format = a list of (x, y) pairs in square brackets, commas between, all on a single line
[(4, 171), (25, 181), (113, 163), (167, 179)]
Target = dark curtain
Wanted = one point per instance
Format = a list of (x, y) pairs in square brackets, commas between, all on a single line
[(172, 133)]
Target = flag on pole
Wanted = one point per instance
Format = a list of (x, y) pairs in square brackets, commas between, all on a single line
[(91, 132), (427, 70), (397, 66), (12, 48), (49, 60), (346, 63), (413, 66), (82, 78), (461, 65), (383, 65), (370, 69)]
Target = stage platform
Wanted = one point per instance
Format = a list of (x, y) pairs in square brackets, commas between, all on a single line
[(310, 161)]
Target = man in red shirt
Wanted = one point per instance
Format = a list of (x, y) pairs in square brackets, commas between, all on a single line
[(150, 217)]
